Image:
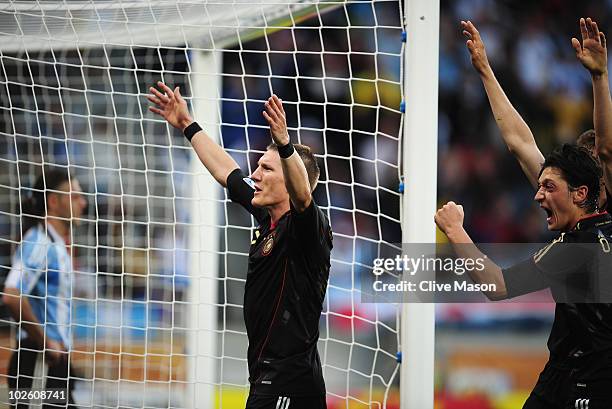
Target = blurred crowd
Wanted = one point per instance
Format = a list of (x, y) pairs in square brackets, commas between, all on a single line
[(339, 78), (529, 48)]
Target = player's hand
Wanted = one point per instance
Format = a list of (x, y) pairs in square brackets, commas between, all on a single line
[(449, 217), (170, 105), (277, 120), (54, 351), (592, 53), (475, 46)]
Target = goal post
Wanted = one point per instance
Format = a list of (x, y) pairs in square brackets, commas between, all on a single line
[(161, 258), (204, 241), (420, 159)]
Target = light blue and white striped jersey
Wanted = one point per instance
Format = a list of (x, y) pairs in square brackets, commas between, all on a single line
[(42, 268)]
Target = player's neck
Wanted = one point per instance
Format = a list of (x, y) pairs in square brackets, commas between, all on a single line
[(277, 211), (60, 226), (581, 215)]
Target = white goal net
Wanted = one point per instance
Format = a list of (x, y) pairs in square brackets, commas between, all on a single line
[(160, 258)]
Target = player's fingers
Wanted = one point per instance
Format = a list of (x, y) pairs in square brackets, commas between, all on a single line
[(576, 45), (277, 103), (583, 30), (277, 106), (155, 110), (154, 99), (595, 30), (272, 112), (177, 93), (166, 89), (159, 95), (473, 30), (602, 39), (155, 91), (467, 34), (282, 107), (589, 27), (268, 118)]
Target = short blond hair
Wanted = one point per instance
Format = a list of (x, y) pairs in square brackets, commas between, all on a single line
[(310, 162)]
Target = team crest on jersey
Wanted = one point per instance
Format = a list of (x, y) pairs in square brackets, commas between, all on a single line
[(268, 244)]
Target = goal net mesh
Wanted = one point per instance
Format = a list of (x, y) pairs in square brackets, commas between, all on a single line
[(150, 328)]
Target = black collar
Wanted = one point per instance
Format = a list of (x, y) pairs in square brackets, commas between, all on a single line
[(593, 220)]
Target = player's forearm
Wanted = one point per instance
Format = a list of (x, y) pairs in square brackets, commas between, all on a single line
[(491, 273), (602, 116), (514, 131), (21, 311), (296, 181), (214, 158)]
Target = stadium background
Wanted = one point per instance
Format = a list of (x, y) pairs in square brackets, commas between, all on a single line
[(487, 356)]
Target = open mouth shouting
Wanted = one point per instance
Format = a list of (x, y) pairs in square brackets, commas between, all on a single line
[(549, 214)]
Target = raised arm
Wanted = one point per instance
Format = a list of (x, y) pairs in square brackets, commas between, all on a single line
[(593, 55), (294, 171), (450, 220), (514, 130), (172, 107)]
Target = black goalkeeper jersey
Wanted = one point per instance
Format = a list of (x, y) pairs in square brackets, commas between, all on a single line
[(283, 299), (577, 267)]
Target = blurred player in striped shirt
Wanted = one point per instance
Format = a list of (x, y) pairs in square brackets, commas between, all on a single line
[(38, 288)]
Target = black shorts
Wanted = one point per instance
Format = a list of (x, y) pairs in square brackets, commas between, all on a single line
[(23, 368), (552, 389), (285, 402), (536, 402)]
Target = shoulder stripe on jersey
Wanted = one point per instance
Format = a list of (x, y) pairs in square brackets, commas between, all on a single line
[(541, 253)]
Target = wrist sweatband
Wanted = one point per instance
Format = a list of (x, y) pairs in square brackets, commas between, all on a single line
[(191, 130), (285, 151)]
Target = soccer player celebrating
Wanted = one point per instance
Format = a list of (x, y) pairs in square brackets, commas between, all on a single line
[(38, 288), (579, 370), (554, 381), (289, 258), (593, 55)]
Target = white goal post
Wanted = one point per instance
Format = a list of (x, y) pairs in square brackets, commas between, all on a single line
[(160, 259)]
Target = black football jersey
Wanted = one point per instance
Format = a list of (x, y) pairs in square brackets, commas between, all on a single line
[(577, 267), (285, 287)]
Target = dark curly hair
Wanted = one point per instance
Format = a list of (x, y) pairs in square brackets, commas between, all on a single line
[(578, 168)]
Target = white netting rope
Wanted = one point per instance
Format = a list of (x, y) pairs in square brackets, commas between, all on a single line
[(72, 85)]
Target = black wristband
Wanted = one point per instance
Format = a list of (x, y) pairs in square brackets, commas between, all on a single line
[(285, 151), (191, 130)]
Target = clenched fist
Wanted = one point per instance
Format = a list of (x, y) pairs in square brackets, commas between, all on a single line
[(449, 217)]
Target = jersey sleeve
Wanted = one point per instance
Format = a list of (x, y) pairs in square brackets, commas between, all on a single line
[(29, 263), (550, 266), (241, 192), (311, 227), (523, 278)]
